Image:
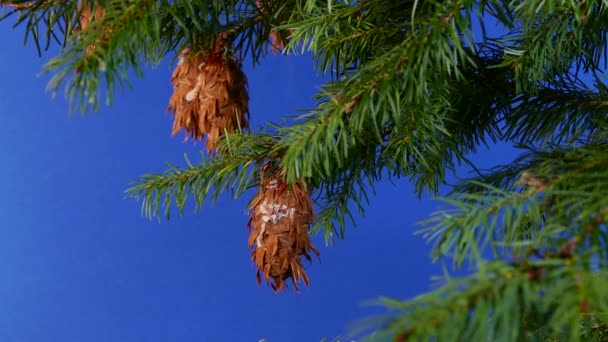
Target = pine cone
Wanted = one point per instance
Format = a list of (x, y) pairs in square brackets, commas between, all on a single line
[(279, 224), (210, 95)]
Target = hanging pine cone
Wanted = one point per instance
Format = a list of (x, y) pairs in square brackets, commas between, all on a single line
[(209, 95), (279, 224)]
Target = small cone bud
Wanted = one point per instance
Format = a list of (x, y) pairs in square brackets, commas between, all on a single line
[(209, 96), (276, 40), (279, 224), (87, 15), (277, 43)]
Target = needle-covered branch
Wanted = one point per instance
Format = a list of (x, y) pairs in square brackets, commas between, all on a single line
[(416, 88), (535, 202), (505, 302), (236, 171)]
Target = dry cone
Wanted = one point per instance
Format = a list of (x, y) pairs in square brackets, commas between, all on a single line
[(209, 95), (279, 225)]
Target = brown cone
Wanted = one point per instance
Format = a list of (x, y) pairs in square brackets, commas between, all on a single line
[(279, 224), (209, 96)]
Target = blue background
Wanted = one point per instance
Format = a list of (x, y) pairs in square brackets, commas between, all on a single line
[(79, 263)]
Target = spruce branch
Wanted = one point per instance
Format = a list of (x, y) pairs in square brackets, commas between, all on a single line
[(47, 21), (488, 305), (574, 183), (570, 34), (242, 157), (563, 112), (414, 93)]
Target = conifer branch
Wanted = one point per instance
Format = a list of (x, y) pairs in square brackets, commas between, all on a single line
[(236, 171), (503, 303), (414, 93), (486, 217)]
